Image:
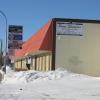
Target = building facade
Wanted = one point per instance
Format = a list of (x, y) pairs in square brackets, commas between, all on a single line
[(69, 43)]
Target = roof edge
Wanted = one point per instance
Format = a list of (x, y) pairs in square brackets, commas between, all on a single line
[(75, 20)]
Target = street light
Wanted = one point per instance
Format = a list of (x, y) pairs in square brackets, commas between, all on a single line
[(0, 53), (5, 58)]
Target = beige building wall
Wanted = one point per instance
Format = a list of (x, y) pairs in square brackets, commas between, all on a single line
[(42, 62), (50, 62), (19, 65), (16, 64), (47, 63), (24, 64), (33, 64), (80, 54)]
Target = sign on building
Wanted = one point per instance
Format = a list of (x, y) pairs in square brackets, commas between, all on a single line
[(15, 37), (69, 28)]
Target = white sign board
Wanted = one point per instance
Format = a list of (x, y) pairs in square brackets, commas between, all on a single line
[(67, 28)]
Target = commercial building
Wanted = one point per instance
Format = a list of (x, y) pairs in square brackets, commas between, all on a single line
[(70, 43)]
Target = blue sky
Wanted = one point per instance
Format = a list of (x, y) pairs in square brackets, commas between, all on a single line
[(33, 14)]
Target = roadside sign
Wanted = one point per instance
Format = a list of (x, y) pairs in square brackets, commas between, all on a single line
[(15, 38)]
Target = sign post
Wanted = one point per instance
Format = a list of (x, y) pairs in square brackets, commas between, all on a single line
[(15, 40)]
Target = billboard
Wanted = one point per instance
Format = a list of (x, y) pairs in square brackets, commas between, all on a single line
[(15, 37), (69, 28)]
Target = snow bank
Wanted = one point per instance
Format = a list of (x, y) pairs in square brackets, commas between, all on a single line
[(53, 85), (1, 75), (8, 69), (31, 75)]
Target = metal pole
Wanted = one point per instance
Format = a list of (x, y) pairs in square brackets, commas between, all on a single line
[(5, 58), (0, 53)]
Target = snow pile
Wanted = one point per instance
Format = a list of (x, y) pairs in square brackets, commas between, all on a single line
[(31, 75), (8, 69), (1, 75), (53, 85)]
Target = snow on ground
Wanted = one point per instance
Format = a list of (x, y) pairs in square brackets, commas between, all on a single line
[(53, 85)]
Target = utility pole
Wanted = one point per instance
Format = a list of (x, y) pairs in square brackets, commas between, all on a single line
[(0, 53), (6, 31)]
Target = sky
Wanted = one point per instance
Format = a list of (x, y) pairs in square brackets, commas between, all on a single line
[(33, 14)]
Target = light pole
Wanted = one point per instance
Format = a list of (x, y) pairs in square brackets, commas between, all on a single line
[(6, 30), (0, 53)]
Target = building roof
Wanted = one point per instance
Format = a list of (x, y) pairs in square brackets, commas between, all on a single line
[(41, 41), (76, 20)]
